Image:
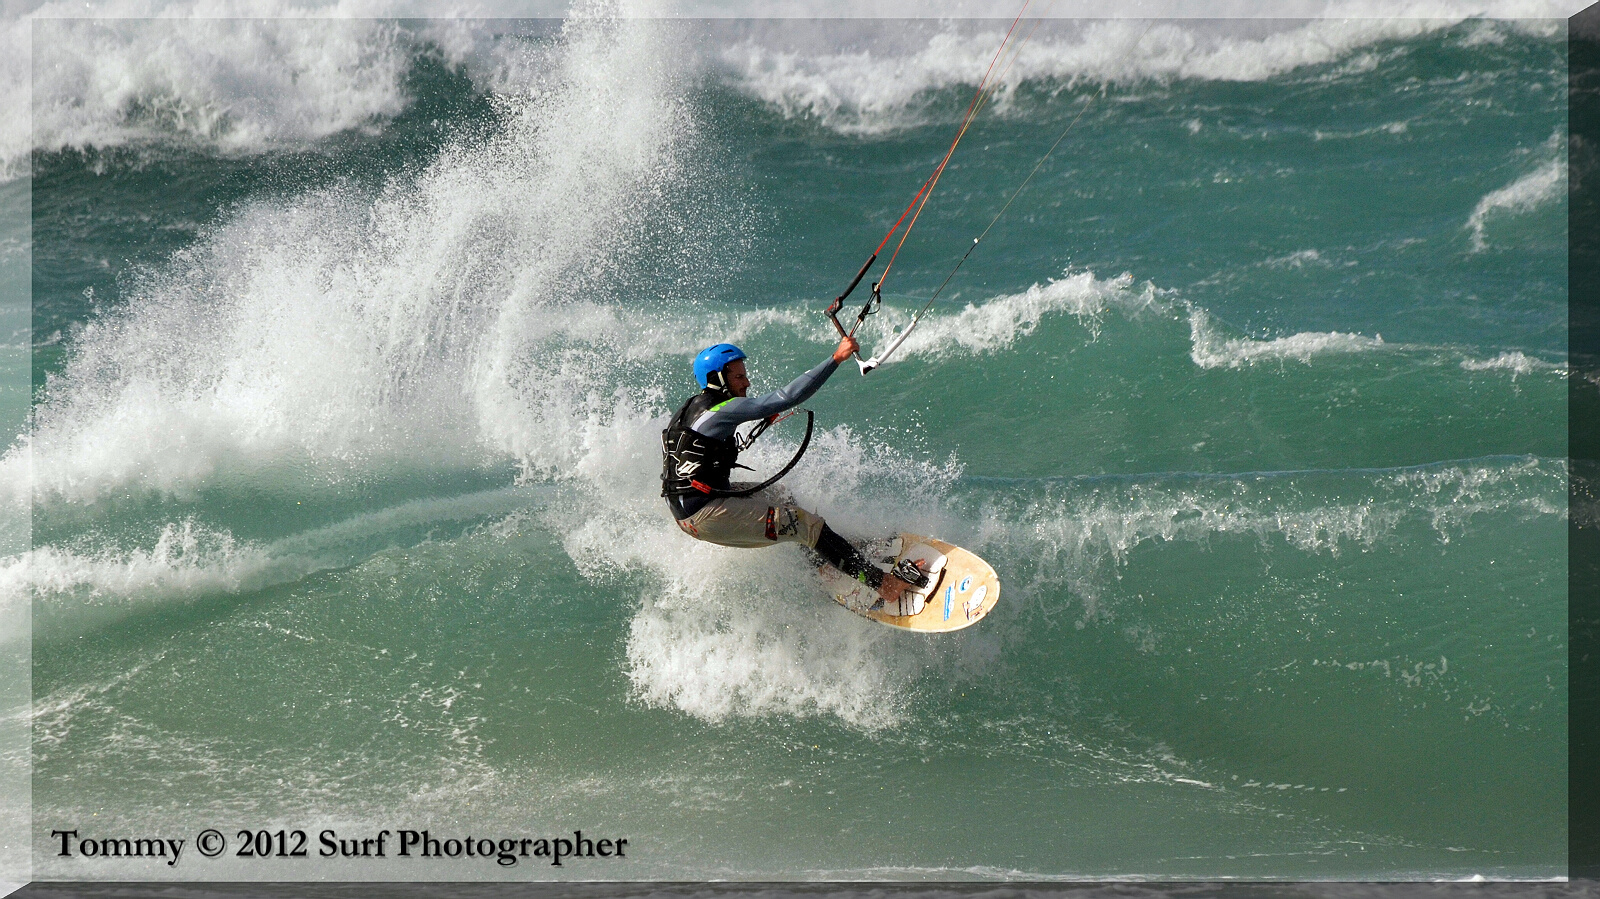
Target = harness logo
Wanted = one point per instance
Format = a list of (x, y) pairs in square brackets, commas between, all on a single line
[(687, 468)]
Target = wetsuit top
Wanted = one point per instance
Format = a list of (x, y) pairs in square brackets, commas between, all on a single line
[(719, 422)]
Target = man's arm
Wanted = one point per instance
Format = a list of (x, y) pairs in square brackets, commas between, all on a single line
[(721, 420), (719, 423)]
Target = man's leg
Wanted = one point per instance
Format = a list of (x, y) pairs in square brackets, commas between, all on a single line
[(841, 554), (761, 519), (772, 516)]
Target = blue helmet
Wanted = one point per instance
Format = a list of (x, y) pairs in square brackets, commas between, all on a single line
[(713, 360)]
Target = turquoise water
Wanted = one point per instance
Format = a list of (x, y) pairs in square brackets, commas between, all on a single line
[(349, 365)]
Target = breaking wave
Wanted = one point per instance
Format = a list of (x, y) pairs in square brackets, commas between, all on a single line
[(1212, 350), (891, 77), (1543, 185)]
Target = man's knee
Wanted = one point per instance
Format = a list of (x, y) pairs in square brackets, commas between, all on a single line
[(808, 526), (788, 523)]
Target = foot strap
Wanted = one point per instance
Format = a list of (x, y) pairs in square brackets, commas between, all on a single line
[(907, 570)]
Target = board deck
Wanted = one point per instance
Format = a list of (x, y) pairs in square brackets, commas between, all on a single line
[(964, 590)]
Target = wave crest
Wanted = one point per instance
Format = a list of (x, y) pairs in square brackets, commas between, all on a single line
[(998, 323), (1209, 349), (870, 79), (1545, 184)]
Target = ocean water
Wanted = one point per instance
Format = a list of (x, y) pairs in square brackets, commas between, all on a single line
[(333, 485)]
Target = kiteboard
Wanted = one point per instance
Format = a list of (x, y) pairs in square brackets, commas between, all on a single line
[(962, 588)]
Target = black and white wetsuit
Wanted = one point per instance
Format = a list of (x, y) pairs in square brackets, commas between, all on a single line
[(719, 422)]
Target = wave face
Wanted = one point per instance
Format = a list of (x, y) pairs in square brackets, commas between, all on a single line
[(353, 342)]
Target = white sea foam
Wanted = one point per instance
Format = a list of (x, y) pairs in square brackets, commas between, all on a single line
[(1298, 259), (231, 75), (240, 76), (1545, 184), (229, 82), (1387, 128), (16, 51), (1515, 362), (187, 560), (1456, 493), (1209, 349), (349, 330), (870, 78), (997, 323), (793, 658)]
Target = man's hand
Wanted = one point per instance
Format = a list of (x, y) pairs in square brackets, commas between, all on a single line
[(847, 348)]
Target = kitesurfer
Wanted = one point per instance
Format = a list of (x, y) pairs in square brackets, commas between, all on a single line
[(701, 450)]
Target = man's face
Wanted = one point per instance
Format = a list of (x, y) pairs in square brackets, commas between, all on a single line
[(738, 381)]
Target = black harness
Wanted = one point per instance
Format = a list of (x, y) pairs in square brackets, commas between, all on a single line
[(693, 463)]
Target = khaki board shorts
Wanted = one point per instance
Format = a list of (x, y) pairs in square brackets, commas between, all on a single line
[(761, 519)]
